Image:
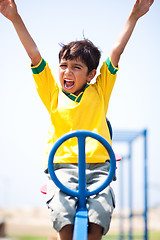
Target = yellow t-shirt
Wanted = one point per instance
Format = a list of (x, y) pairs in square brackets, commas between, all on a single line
[(68, 115)]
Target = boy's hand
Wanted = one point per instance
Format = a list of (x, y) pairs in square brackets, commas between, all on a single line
[(8, 9), (141, 7)]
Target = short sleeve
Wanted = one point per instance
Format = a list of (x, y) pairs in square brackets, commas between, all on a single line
[(106, 80), (45, 83)]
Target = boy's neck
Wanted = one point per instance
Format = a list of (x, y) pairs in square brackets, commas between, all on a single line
[(74, 97)]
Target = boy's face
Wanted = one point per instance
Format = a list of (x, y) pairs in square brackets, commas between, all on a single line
[(73, 75)]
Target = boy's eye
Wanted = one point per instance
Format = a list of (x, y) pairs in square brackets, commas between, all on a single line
[(63, 65), (77, 67)]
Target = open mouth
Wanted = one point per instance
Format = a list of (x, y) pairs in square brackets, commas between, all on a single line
[(68, 84)]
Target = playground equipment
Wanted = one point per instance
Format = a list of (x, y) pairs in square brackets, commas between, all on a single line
[(129, 137), (81, 218)]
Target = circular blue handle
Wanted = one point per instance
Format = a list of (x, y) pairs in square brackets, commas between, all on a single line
[(81, 135)]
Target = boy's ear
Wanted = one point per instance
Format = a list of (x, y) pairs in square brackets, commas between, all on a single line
[(91, 75)]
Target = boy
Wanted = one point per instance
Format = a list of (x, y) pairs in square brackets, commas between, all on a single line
[(77, 105)]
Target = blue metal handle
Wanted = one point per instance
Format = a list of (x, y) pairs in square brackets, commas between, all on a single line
[(81, 218), (81, 135)]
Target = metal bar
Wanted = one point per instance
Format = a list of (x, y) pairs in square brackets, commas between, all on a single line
[(82, 174), (130, 192), (121, 225), (145, 188), (80, 225)]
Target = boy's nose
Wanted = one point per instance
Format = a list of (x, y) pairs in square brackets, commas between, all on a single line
[(68, 71)]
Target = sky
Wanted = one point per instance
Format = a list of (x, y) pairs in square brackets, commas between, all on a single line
[(24, 121)]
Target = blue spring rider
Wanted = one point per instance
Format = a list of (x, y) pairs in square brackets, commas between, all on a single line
[(81, 218)]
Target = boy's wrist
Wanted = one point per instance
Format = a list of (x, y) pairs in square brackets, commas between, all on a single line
[(16, 17), (133, 17)]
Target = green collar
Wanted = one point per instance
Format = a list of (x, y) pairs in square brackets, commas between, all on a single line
[(74, 97)]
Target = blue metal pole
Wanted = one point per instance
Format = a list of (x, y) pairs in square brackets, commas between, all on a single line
[(80, 225), (130, 193), (82, 174), (145, 187), (121, 188), (81, 218)]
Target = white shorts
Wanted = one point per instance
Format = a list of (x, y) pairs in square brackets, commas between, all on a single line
[(63, 207)]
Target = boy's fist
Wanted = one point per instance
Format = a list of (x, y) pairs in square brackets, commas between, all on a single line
[(141, 7), (8, 9)]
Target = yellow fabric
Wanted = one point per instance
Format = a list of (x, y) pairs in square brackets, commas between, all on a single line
[(67, 115)]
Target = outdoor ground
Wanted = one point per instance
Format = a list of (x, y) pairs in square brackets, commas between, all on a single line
[(35, 222), (152, 236)]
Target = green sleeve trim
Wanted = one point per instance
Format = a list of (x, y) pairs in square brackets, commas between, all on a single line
[(39, 68), (111, 67)]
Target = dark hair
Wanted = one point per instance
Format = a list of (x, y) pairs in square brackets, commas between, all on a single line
[(84, 50)]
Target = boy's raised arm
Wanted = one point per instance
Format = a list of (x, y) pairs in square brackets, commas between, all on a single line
[(9, 10), (140, 8)]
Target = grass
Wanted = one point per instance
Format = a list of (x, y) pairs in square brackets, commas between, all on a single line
[(152, 236), (30, 238)]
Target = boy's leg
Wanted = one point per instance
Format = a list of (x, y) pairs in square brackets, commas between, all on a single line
[(95, 231), (100, 206), (66, 233), (62, 206)]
